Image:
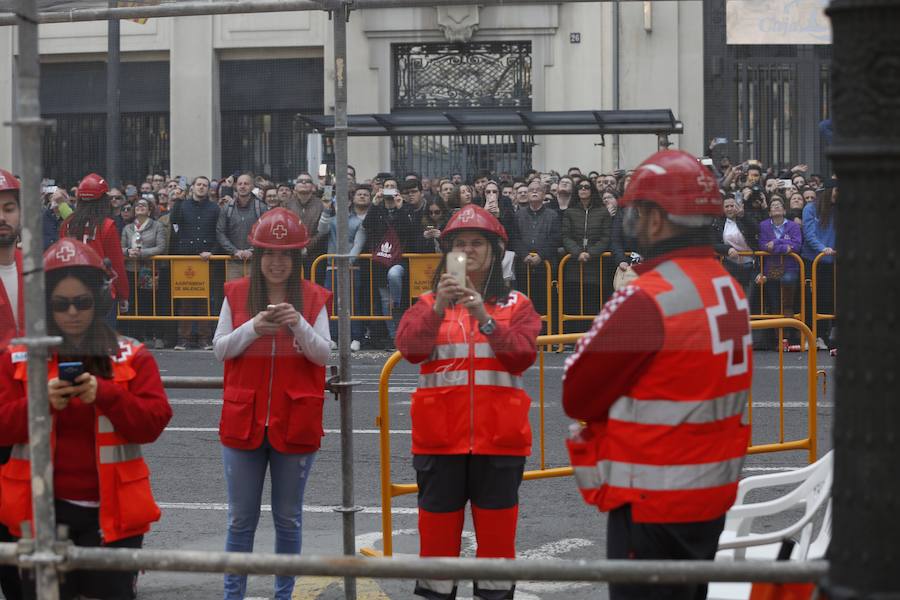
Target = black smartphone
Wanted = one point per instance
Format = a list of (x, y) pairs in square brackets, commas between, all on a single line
[(70, 371)]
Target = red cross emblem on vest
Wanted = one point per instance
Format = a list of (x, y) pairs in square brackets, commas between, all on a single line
[(729, 326), (279, 231), (65, 253)]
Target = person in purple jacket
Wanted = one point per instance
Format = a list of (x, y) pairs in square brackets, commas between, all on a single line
[(779, 236)]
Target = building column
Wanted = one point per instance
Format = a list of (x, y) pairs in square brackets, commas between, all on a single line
[(7, 98), (195, 120)]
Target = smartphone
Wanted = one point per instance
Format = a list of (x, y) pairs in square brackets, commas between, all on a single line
[(51, 189), (706, 162), (719, 141), (389, 192), (323, 170), (785, 183), (456, 266), (70, 371)]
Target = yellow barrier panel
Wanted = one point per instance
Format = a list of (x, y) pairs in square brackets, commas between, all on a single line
[(561, 291), (389, 489), (801, 283), (816, 315)]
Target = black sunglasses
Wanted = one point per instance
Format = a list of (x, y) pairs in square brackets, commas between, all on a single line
[(584, 187), (304, 181), (60, 304)]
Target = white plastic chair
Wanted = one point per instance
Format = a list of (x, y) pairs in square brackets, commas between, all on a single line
[(812, 494)]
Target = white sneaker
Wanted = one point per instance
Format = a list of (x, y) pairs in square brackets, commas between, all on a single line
[(333, 345), (354, 346), (820, 344)]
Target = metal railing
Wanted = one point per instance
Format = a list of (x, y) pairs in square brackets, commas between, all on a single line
[(814, 287), (389, 489)]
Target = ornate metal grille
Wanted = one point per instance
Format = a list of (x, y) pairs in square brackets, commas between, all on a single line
[(441, 156), (473, 75)]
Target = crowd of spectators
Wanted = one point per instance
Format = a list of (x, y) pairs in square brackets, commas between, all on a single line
[(548, 216)]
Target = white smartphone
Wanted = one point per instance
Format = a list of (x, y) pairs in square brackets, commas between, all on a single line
[(323, 170), (456, 266)]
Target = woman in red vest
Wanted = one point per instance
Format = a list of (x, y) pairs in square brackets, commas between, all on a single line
[(100, 417), (92, 225), (470, 427), (273, 336)]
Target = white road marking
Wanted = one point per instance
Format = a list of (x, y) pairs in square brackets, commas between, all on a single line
[(366, 510)]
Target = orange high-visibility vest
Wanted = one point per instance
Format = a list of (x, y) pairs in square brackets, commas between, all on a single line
[(674, 446), (466, 401), (126, 500)]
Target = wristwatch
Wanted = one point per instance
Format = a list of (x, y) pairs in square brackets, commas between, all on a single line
[(489, 327)]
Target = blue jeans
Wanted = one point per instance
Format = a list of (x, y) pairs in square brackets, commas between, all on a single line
[(245, 472), (392, 295)]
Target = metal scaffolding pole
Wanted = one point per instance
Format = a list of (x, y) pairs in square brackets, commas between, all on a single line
[(866, 152), (342, 206), (230, 7), (29, 122), (113, 117)]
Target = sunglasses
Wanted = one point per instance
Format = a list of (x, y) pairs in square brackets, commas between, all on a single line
[(60, 304), (584, 187), (304, 181)]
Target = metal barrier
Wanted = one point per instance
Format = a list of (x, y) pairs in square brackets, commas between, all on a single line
[(390, 489), (801, 282), (814, 287), (561, 292)]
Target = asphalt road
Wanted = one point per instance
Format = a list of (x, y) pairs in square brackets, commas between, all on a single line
[(554, 522)]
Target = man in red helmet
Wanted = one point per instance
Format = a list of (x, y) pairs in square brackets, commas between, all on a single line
[(665, 438), (12, 320)]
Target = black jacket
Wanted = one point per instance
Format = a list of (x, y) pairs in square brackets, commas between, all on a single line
[(194, 227)]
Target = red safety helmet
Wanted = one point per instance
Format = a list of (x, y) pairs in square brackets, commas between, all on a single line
[(474, 218), (68, 252), (92, 187), (678, 183), (8, 181), (279, 228)]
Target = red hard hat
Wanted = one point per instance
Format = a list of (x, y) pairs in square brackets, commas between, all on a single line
[(69, 252), (279, 228), (678, 183), (8, 181), (473, 217), (92, 187)]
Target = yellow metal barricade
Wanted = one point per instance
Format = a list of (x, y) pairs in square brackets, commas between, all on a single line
[(801, 283), (561, 292), (546, 317), (389, 489), (816, 315), (195, 281)]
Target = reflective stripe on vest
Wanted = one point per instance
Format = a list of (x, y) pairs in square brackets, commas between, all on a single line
[(683, 297), (659, 478), (120, 453), (104, 425), (673, 412), (456, 378), (451, 351)]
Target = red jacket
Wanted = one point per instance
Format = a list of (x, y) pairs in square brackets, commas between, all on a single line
[(131, 409), (8, 327), (662, 379), (272, 384), (108, 244), (470, 397)]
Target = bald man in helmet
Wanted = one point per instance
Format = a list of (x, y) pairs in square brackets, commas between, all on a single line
[(666, 435)]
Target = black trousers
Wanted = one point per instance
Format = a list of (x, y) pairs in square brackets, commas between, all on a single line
[(626, 539), (84, 530), (448, 481), (9, 576)]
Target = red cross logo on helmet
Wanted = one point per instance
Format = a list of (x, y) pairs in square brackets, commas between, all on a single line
[(466, 215), (65, 253), (279, 232), (707, 182), (729, 326)]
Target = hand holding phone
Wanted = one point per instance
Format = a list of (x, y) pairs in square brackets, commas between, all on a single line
[(456, 266), (70, 371)]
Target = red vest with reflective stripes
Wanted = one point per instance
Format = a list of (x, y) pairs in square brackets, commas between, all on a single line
[(10, 327), (674, 447), (467, 402), (272, 383), (126, 500)]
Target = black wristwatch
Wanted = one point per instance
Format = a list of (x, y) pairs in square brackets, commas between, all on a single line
[(489, 327)]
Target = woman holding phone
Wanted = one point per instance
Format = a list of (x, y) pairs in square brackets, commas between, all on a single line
[(470, 427), (273, 337), (106, 399)]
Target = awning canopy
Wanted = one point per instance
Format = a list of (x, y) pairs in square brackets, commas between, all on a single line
[(505, 122)]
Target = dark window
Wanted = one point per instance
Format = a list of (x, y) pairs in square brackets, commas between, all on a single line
[(260, 101), (74, 95), (473, 75)]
